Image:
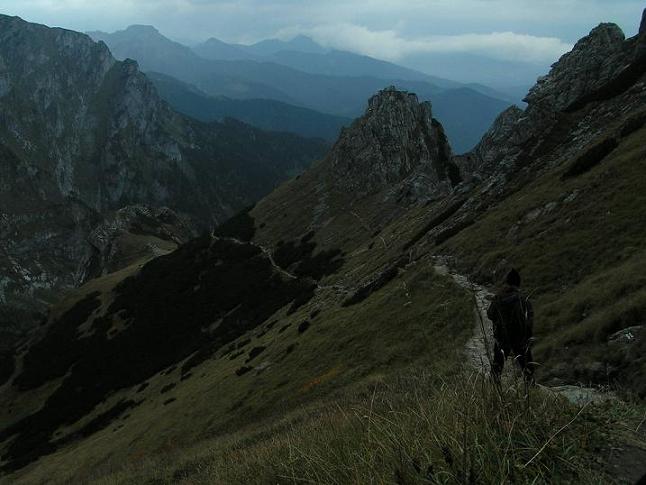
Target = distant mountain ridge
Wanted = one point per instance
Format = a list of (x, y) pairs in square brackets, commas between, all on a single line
[(269, 47), (343, 93), (267, 114), (216, 49), (306, 55)]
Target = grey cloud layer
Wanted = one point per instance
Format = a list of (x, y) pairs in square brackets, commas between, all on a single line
[(537, 31)]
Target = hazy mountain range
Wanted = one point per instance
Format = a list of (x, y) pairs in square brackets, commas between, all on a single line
[(304, 74)]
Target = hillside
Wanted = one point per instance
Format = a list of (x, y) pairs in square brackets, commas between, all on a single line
[(81, 137), (319, 336), (277, 310), (267, 114), (554, 191), (342, 94)]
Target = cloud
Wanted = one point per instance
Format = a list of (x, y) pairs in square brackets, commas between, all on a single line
[(503, 29), (389, 44)]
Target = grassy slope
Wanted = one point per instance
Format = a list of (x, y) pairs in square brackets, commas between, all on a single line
[(580, 243), (347, 348), (409, 428), (342, 346), (358, 400)]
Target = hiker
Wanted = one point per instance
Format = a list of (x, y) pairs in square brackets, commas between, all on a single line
[(513, 319)]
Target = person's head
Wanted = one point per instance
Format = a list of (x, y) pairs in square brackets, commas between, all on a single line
[(513, 278)]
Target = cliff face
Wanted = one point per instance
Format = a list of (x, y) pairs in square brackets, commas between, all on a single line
[(83, 135)]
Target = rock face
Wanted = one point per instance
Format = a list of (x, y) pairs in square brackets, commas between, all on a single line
[(507, 132), (397, 140), (642, 26), (594, 60), (83, 135), (601, 65)]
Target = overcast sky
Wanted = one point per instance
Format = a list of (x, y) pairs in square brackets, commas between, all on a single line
[(532, 30)]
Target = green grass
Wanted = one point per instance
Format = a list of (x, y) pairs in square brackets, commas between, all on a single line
[(414, 427), (373, 393), (419, 318)]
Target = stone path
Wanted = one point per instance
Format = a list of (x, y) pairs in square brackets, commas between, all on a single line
[(480, 345)]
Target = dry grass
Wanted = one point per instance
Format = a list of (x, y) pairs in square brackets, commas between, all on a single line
[(412, 428)]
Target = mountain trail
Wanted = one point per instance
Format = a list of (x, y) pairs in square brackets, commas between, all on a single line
[(267, 252), (479, 346)]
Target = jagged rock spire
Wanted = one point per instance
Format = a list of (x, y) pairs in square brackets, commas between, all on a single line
[(396, 138)]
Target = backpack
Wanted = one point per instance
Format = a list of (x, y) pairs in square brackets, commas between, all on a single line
[(512, 316)]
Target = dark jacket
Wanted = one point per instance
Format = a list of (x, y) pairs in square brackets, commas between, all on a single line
[(513, 319)]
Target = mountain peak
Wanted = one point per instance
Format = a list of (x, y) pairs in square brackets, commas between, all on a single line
[(304, 41), (214, 41), (397, 140), (607, 31), (642, 26), (592, 62), (391, 97), (142, 29)]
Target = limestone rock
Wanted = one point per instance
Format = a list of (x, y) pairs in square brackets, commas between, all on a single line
[(396, 139), (507, 132), (594, 60), (601, 66)]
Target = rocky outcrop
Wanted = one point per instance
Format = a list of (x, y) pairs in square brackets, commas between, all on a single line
[(136, 233), (506, 133), (642, 26), (396, 141), (601, 66), (595, 60)]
